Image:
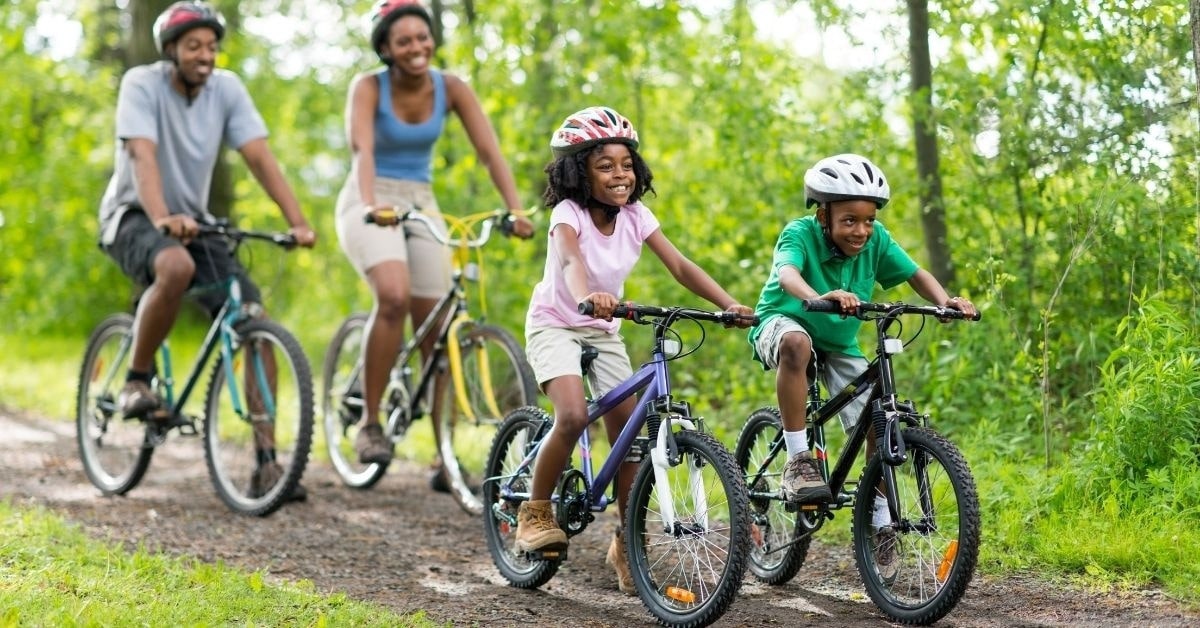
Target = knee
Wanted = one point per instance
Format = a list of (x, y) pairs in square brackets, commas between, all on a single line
[(795, 351), (174, 269), (569, 423), (392, 305)]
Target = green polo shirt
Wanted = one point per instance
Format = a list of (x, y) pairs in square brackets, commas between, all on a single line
[(802, 244)]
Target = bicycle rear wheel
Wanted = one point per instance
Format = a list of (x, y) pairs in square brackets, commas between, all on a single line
[(688, 567), (342, 403), (505, 486), (778, 550), (113, 449), (497, 379), (258, 419), (934, 543)]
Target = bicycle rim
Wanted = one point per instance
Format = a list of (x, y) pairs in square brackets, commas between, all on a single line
[(496, 379), (775, 553), (342, 403), (269, 381), (688, 571), (113, 450), (507, 484), (936, 539)]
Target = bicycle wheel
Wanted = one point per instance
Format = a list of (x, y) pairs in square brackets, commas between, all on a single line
[(258, 419), (935, 543), (113, 450), (342, 404), (497, 379), (519, 432), (688, 567), (779, 544)]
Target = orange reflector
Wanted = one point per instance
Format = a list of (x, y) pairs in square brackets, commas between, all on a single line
[(947, 561), (681, 595), (809, 507)]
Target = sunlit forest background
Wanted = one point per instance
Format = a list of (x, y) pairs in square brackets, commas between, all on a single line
[(1042, 157)]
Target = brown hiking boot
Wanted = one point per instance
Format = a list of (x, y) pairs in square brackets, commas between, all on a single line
[(537, 529), (620, 564), (371, 445), (887, 563), (137, 400), (802, 482), (263, 479)]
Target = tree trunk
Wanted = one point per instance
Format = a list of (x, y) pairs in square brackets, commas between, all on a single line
[(933, 211), (1194, 6)]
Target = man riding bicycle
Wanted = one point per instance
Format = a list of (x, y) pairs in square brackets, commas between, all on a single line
[(172, 118)]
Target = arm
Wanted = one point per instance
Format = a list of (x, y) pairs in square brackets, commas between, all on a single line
[(265, 168), (360, 131), (143, 153), (926, 285), (466, 106), (566, 244), (691, 276)]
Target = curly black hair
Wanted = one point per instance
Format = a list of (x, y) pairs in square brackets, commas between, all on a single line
[(568, 180)]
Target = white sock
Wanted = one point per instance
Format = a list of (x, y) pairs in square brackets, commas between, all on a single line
[(797, 442), (882, 517)]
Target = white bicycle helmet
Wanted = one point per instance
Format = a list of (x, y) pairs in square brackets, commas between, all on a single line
[(588, 127), (846, 177)]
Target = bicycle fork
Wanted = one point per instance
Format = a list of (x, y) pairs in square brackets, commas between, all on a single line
[(664, 455)]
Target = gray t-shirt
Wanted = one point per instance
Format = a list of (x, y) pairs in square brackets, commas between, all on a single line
[(188, 138)]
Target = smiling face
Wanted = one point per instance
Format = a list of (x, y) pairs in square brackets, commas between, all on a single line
[(610, 173), (850, 224), (409, 44), (195, 54)]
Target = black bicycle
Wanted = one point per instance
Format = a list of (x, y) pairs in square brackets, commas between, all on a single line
[(258, 409), (915, 568)]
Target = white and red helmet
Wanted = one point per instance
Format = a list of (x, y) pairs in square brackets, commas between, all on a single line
[(183, 16), (386, 12), (589, 127), (846, 177)]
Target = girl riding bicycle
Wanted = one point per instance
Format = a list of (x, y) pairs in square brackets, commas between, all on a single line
[(596, 232)]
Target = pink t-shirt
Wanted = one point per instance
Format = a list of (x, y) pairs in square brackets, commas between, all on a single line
[(608, 258)]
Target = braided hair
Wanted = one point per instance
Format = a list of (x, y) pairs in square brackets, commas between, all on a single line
[(567, 179)]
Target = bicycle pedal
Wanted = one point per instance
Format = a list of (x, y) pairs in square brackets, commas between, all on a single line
[(547, 555)]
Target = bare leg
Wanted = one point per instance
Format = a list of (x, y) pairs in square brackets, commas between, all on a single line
[(614, 422), (384, 332), (422, 308), (570, 419), (160, 304), (791, 379)]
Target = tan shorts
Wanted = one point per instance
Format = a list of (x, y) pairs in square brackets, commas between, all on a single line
[(368, 245), (836, 369), (556, 351)]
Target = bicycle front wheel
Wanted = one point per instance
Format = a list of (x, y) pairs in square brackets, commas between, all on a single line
[(258, 419), (917, 567), (505, 486), (779, 542), (342, 404), (688, 532), (113, 449), (496, 379)]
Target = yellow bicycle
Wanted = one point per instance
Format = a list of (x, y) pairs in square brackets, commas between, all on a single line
[(489, 374)]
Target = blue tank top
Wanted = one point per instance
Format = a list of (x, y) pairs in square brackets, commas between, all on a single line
[(403, 150)]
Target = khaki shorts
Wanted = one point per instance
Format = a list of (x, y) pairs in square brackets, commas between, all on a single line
[(835, 369), (412, 243), (556, 351)]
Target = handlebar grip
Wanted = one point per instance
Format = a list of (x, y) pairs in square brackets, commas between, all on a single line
[(621, 311), (586, 308), (821, 305)]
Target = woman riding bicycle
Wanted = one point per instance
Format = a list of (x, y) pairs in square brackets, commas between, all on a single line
[(597, 229), (394, 117)]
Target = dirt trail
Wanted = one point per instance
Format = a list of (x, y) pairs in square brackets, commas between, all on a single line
[(409, 549)]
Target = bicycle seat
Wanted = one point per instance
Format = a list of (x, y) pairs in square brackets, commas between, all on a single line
[(587, 357)]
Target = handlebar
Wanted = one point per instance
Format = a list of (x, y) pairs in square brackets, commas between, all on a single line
[(497, 219), (634, 312), (888, 309), (285, 240)]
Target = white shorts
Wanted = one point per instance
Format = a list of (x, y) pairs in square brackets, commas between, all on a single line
[(368, 245), (835, 370), (556, 351)]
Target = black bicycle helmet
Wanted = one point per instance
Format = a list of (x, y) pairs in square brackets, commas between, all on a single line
[(182, 17)]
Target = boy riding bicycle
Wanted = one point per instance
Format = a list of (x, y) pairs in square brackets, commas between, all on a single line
[(838, 254)]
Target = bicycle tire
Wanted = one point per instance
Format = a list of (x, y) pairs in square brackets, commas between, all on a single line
[(935, 558), (779, 543), (518, 434), (113, 450), (342, 404), (230, 441), (463, 438), (689, 574)]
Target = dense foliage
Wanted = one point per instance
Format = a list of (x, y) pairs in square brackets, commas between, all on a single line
[(1068, 145)]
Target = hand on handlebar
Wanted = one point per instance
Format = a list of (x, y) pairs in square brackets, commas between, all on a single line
[(179, 226), (847, 300), (603, 304), (382, 216), (745, 318), (963, 305), (304, 236)]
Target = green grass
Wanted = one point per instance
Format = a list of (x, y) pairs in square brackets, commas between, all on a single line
[(52, 574)]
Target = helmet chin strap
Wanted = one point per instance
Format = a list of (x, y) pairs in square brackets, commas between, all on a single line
[(189, 88)]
